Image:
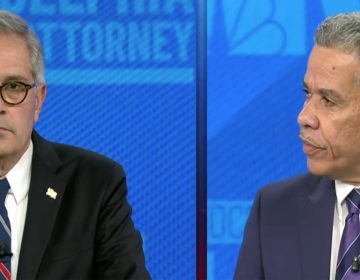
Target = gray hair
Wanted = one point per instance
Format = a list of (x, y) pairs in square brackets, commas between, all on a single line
[(341, 32), (15, 25)]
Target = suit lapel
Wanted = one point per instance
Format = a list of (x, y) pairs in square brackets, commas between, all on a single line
[(42, 208), (316, 213)]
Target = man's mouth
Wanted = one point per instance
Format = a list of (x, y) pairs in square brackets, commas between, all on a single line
[(310, 145), (4, 129)]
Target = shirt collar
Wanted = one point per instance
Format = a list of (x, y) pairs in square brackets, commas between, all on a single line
[(19, 176), (342, 191)]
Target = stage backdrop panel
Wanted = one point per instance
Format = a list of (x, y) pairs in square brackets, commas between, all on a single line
[(257, 53), (120, 77)]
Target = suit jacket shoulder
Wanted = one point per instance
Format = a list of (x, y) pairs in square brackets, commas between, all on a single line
[(295, 186), (68, 153), (288, 234)]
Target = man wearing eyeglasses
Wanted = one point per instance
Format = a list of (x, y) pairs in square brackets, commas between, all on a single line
[(64, 214)]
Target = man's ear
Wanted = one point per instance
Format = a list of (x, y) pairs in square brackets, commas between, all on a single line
[(39, 100)]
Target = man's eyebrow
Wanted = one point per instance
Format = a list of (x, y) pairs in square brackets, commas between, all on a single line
[(329, 93), (19, 78), (305, 85)]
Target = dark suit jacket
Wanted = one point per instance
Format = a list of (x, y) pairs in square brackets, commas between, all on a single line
[(86, 232), (289, 233)]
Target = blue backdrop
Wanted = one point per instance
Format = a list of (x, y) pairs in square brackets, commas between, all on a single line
[(120, 77), (257, 53)]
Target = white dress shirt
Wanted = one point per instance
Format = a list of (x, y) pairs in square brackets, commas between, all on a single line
[(16, 203), (340, 213)]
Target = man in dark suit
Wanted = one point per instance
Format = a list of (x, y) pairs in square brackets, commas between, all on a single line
[(68, 212), (308, 227)]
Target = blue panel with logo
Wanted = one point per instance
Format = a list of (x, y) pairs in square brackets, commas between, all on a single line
[(121, 81), (257, 54)]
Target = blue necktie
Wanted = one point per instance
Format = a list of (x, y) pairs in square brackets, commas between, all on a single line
[(5, 233), (350, 241)]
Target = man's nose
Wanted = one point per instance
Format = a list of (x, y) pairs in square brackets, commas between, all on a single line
[(307, 118)]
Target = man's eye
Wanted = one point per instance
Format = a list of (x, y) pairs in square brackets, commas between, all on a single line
[(327, 102), (307, 93), (13, 86)]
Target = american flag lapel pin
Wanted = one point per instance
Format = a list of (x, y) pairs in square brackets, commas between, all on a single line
[(51, 193)]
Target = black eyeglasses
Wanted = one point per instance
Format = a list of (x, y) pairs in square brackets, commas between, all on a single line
[(14, 92)]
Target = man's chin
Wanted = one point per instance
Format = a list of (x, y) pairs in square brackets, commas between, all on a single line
[(7, 149), (330, 171), (319, 168)]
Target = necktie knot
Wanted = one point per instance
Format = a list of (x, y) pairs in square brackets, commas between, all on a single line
[(353, 201)]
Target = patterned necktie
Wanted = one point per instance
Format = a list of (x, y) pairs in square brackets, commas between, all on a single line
[(350, 241), (5, 234)]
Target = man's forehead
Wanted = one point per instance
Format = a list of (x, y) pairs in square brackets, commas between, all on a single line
[(331, 64), (332, 57), (14, 58)]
